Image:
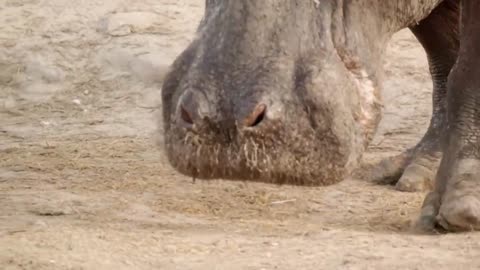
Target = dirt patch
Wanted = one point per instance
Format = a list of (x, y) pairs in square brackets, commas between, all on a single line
[(83, 186)]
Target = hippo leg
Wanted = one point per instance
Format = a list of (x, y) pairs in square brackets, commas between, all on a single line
[(454, 204), (415, 169)]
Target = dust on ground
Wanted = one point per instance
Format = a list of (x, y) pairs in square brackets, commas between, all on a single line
[(83, 185)]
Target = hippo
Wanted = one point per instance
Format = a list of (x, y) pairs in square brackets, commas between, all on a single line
[(289, 92)]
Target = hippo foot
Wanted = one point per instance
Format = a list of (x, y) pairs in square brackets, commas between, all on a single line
[(411, 171), (419, 174), (456, 206)]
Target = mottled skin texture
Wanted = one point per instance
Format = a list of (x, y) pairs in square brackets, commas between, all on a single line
[(454, 204), (287, 92), (415, 169)]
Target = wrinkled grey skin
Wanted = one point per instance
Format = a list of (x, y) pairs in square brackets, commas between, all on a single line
[(454, 204), (281, 91), (415, 169), (286, 91)]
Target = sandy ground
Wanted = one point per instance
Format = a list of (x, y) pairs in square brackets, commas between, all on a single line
[(82, 185)]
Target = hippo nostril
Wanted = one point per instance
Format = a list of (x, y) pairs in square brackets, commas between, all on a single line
[(185, 115), (192, 107), (256, 117)]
